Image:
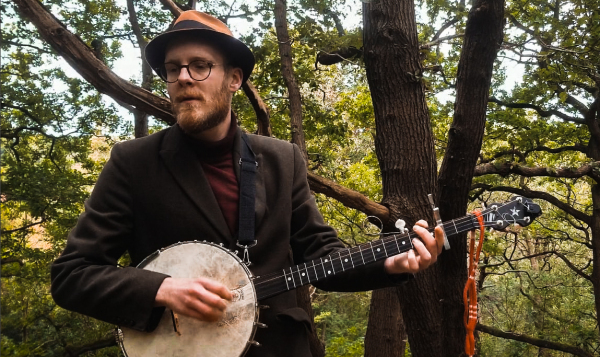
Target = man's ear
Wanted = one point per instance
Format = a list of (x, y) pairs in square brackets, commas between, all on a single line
[(236, 79)]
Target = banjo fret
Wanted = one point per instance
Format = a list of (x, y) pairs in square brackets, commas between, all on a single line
[(332, 267), (285, 279), (307, 273)]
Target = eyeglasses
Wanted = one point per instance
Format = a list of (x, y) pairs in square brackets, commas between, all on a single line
[(198, 70)]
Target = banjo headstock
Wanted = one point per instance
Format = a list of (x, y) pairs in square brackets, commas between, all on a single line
[(519, 210)]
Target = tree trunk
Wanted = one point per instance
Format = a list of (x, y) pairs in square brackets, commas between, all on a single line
[(141, 118), (596, 248), (287, 69), (591, 119), (404, 147), (393, 341), (405, 152), (483, 36), (285, 52)]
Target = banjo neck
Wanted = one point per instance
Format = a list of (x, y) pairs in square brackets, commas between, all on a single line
[(519, 210), (348, 259)]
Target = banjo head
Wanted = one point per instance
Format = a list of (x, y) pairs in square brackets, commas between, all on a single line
[(225, 338)]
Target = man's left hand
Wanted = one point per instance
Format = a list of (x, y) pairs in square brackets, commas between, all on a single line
[(423, 255)]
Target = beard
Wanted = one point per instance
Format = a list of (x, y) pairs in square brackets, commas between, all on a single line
[(196, 118)]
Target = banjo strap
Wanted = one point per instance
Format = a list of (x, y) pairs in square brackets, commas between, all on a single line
[(248, 169)]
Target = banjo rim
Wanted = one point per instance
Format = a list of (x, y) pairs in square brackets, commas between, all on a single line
[(119, 333)]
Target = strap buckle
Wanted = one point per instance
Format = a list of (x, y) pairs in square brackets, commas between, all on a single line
[(246, 256), (241, 161)]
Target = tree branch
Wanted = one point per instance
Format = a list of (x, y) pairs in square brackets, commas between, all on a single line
[(576, 147), (175, 10), (539, 110), (337, 56), (25, 45), (508, 168), (574, 102), (573, 267), (24, 111), (541, 195), (8, 231), (261, 109), (443, 28), (336, 19), (135, 26), (348, 197), (82, 59), (10, 260), (538, 39), (533, 341), (440, 40)]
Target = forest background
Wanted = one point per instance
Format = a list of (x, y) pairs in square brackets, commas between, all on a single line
[(472, 102)]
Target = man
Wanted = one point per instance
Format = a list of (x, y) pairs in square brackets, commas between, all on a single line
[(181, 184)]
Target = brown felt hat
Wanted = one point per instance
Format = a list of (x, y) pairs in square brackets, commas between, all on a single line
[(206, 28)]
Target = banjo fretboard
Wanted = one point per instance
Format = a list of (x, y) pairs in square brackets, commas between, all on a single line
[(347, 259)]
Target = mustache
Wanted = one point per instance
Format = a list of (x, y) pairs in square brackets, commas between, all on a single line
[(188, 95)]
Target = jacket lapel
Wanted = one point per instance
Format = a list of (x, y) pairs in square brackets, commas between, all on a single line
[(185, 167)]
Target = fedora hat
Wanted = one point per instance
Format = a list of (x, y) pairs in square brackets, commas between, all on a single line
[(204, 27)]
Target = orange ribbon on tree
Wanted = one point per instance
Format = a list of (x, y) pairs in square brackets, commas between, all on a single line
[(470, 292)]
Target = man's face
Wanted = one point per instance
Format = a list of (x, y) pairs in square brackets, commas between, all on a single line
[(200, 105)]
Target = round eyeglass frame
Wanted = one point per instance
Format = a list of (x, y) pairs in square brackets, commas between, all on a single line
[(163, 76)]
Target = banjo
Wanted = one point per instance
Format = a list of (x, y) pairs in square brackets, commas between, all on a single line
[(234, 333)]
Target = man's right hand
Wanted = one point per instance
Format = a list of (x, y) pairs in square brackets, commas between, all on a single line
[(200, 298)]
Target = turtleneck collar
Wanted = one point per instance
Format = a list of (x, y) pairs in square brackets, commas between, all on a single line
[(215, 150)]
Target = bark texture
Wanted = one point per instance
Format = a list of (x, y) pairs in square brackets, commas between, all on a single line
[(404, 147)]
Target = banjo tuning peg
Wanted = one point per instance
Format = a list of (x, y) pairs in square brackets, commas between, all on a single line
[(254, 343)]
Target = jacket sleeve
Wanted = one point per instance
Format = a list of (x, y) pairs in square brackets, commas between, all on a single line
[(311, 238), (86, 278)]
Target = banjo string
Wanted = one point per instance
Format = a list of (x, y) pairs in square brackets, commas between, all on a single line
[(460, 223)]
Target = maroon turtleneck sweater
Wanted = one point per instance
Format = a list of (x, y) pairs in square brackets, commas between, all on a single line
[(216, 159)]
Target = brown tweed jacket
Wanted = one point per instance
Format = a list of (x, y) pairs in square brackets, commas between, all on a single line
[(152, 193)]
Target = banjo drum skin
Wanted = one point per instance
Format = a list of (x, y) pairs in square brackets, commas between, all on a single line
[(231, 336)]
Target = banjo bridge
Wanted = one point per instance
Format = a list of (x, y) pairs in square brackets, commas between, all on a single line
[(238, 293)]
